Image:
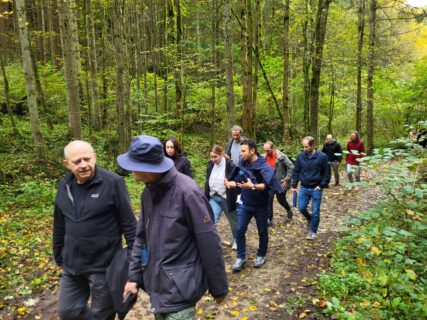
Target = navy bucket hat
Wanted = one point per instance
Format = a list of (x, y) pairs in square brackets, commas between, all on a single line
[(145, 154)]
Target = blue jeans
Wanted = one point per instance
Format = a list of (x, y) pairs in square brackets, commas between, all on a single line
[(220, 204), (304, 197), (74, 292), (244, 216)]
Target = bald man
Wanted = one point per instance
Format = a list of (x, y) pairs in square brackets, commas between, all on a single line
[(92, 212)]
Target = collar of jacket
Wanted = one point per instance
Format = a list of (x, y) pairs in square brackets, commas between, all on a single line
[(308, 156), (164, 183)]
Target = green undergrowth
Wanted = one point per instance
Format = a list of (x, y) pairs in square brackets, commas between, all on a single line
[(379, 264)]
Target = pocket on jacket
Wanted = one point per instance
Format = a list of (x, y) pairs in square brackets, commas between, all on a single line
[(185, 282)]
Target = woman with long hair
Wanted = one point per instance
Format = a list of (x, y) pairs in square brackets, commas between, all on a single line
[(173, 151), (220, 198)]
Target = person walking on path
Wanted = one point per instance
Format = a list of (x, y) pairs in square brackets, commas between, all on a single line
[(334, 152), (92, 212), (356, 150), (284, 169), (220, 198), (181, 162), (232, 149), (254, 177), (312, 169), (177, 254)]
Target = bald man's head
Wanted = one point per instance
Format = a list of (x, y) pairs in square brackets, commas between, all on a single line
[(80, 159)]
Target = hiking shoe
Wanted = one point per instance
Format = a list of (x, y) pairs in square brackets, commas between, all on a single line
[(259, 262), (234, 246), (238, 265), (290, 214), (311, 236), (270, 222)]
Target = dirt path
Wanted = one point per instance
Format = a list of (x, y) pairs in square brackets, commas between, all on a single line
[(284, 287)]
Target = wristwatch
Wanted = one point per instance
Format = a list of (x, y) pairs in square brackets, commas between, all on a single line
[(253, 187)]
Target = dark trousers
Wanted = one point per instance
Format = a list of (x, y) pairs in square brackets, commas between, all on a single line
[(74, 293), (244, 216), (281, 198)]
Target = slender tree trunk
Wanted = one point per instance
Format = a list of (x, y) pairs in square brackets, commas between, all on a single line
[(70, 53), (214, 43), (6, 94), (228, 66), (120, 56), (306, 63), (319, 38), (257, 40), (360, 34), (44, 30), (93, 66), (179, 71), (286, 47), (332, 100), (52, 33), (249, 78), (29, 79), (246, 51), (370, 79), (104, 94)]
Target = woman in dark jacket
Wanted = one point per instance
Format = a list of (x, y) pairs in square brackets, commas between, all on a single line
[(173, 151), (220, 198)]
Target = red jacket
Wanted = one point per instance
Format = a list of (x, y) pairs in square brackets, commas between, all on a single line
[(357, 146)]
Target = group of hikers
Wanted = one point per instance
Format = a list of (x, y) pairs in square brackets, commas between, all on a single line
[(174, 251)]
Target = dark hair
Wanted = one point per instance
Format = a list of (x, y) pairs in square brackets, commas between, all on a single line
[(176, 147), (250, 143)]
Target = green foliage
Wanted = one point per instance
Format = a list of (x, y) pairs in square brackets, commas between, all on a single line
[(378, 266)]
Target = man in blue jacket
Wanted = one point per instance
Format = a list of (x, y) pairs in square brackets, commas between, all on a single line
[(177, 255), (92, 212), (312, 169), (255, 178)]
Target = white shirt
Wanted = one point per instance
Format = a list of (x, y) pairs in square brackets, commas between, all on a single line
[(216, 180)]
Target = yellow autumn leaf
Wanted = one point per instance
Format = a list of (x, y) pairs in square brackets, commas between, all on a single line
[(235, 313), (244, 318), (252, 308), (411, 274), (365, 304), (376, 251), (410, 212), (199, 311)]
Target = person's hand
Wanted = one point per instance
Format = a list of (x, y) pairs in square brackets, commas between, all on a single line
[(229, 184), (219, 300), (294, 189), (131, 287), (246, 185), (317, 188), (285, 184)]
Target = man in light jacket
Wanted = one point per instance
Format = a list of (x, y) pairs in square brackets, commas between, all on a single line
[(177, 254)]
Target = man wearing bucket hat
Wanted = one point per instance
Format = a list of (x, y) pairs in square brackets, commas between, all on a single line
[(177, 253)]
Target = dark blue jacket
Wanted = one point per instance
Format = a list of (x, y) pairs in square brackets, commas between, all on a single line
[(311, 169), (184, 250), (258, 171), (86, 243)]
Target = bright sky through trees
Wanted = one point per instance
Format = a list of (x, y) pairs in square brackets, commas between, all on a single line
[(417, 3)]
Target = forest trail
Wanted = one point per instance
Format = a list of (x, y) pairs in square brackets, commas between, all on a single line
[(284, 288)]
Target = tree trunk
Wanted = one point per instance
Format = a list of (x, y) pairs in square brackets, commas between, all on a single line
[(120, 56), (93, 66), (360, 34), (331, 101), (52, 37), (6, 94), (229, 83), (44, 30), (246, 51), (306, 63), (257, 40), (29, 79), (370, 79), (319, 38), (286, 47), (70, 53), (214, 43), (178, 71)]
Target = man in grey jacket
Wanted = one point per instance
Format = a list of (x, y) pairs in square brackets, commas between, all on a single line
[(284, 169), (177, 254)]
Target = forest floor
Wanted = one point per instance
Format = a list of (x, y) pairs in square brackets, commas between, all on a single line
[(284, 288)]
